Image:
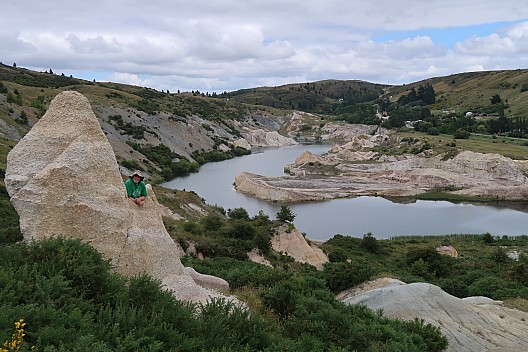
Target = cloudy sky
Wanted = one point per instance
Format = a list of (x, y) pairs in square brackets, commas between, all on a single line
[(224, 45)]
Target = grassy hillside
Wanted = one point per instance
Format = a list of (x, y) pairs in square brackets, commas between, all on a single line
[(149, 129), (146, 128), (472, 91)]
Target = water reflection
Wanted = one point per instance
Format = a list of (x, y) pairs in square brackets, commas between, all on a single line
[(353, 217)]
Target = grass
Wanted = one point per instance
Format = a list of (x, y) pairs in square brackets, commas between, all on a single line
[(510, 147)]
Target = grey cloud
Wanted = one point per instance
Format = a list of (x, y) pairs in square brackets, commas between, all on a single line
[(95, 45)]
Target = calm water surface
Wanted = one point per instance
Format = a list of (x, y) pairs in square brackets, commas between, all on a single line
[(353, 217)]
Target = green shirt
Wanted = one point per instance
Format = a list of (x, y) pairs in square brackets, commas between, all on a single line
[(135, 191)]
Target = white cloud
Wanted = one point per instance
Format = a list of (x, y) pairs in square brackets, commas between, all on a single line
[(233, 44)]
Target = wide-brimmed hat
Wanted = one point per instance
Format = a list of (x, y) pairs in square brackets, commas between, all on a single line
[(137, 172)]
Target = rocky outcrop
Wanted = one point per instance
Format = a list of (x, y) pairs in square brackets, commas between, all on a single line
[(63, 180), (345, 131), (242, 143), (471, 324), (261, 138), (295, 245), (356, 170)]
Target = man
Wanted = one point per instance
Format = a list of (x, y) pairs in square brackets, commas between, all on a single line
[(136, 188)]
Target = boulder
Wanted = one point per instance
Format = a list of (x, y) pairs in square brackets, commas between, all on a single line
[(295, 245), (470, 324), (63, 180)]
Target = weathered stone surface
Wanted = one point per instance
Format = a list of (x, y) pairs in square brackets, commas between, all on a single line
[(295, 245), (447, 250), (242, 143), (261, 138), (63, 180), (471, 325), (350, 170), (345, 131)]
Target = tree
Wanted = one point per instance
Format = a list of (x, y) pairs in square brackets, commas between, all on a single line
[(495, 99), (285, 214), (370, 243), (238, 214)]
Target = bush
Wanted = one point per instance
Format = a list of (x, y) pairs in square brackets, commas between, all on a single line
[(240, 229), (343, 275), (433, 131), (461, 134), (519, 273), (285, 214), (370, 243), (238, 214), (437, 264)]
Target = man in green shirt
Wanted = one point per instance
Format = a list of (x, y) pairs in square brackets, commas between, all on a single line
[(136, 189)]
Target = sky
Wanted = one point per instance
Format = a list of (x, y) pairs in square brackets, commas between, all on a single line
[(226, 45)]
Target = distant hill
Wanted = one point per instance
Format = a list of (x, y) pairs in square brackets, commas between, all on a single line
[(319, 97), (472, 91), (137, 119)]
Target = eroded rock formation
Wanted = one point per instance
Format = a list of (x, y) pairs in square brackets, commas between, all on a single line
[(261, 138), (470, 324), (63, 180), (295, 245), (355, 169)]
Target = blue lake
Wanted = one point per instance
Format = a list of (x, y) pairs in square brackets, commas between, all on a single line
[(351, 216)]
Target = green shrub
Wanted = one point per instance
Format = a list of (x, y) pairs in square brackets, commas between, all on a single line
[(437, 265), (285, 214), (238, 214), (240, 229), (519, 273), (370, 243), (343, 275)]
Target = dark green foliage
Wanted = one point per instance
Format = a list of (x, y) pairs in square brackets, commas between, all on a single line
[(147, 105), (9, 228), (131, 165), (239, 273), (285, 214), (39, 104), (433, 131), (425, 95), (70, 301), (342, 275), (519, 273), (262, 239), (370, 243), (358, 113), (165, 158), (213, 221), (238, 214), (428, 258), (217, 155), (496, 288), (65, 292), (23, 119), (495, 99), (487, 238), (241, 229), (308, 311), (461, 134)]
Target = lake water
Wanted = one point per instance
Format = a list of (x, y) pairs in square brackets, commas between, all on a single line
[(354, 216)]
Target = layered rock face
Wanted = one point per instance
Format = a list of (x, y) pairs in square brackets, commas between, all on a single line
[(355, 170), (261, 138), (470, 324), (63, 180)]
